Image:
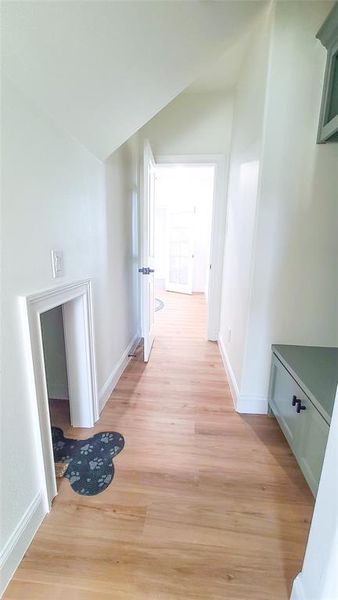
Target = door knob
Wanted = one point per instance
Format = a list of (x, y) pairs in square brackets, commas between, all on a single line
[(146, 270)]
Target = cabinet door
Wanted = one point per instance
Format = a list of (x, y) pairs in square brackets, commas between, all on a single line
[(282, 389), (313, 434)]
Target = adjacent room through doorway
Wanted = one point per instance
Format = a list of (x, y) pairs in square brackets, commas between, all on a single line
[(184, 196), (55, 361), (55, 367)]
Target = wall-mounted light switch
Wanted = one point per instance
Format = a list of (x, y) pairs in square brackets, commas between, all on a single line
[(57, 263)]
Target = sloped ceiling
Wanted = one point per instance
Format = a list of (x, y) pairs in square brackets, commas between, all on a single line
[(223, 75), (102, 69)]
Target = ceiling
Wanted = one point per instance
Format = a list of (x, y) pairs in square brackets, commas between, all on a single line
[(102, 69), (223, 74)]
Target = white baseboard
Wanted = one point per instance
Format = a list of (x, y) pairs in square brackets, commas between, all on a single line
[(20, 539), (297, 592), (107, 389), (229, 372), (243, 403), (58, 391), (252, 405)]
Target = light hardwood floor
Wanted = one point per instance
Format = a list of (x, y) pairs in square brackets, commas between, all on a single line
[(206, 504)]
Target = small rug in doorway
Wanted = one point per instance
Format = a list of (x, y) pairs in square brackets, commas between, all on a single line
[(159, 304), (90, 467)]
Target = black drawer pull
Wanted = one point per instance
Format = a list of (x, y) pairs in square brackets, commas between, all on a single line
[(300, 406), (297, 401)]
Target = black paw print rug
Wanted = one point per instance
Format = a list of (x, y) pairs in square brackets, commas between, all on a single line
[(90, 466)]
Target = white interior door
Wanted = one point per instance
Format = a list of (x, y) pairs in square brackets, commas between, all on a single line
[(148, 251), (180, 250)]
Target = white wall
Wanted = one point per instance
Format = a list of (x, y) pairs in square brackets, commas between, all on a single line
[(116, 277), (290, 274), (57, 195), (245, 159), (54, 353), (192, 124), (294, 293)]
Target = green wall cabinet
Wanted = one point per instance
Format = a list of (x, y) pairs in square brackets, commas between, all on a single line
[(328, 119)]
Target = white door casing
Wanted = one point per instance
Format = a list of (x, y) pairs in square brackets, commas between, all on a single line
[(148, 251), (75, 299)]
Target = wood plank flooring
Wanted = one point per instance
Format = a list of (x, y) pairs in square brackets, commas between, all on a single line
[(205, 504)]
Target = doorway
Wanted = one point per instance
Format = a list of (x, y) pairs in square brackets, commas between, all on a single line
[(74, 302), (180, 266), (189, 230), (183, 209)]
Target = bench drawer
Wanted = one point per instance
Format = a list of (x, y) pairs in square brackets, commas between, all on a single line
[(283, 389), (306, 430)]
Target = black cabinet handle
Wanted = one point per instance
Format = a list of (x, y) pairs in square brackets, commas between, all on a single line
[(300, 406), (298, 402)]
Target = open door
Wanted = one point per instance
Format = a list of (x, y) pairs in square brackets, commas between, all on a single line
[(147, 251), (180, 249)]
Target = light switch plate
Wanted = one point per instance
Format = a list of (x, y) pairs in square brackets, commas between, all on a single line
[(57, 263)]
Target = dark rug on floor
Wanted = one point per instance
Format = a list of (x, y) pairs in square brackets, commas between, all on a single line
[(159, 304), (90, 466)]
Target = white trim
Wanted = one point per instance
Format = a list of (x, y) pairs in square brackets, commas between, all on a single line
[(75, 299), (243, 403), (218, 228), (110, 384), (252, 405), (20, 539), (297, 592), (229, 372), (218, 223)]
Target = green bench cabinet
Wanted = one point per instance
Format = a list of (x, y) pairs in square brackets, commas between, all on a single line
[(302, 390)]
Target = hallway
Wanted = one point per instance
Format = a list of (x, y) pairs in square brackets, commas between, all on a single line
[(205, 504)]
